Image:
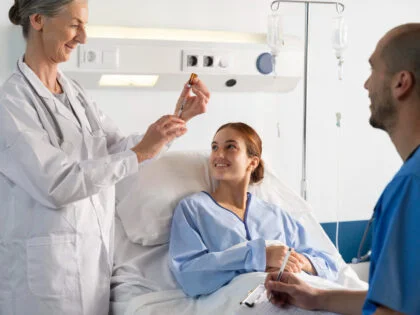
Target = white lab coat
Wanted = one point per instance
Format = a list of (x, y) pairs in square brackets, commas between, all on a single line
[(57, 200)]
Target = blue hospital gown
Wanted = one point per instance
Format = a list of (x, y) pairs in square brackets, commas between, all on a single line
[(203, 232), (394, 277)]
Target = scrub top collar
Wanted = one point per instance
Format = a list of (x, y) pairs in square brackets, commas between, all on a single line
[(412, 153)]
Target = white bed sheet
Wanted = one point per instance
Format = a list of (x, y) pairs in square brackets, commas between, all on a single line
[(224, 301), (143, 284)]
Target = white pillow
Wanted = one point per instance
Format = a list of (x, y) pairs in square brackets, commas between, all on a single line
[(146, 201), (271, 189)]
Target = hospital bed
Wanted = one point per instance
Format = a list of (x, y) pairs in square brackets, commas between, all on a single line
[(142, 282)]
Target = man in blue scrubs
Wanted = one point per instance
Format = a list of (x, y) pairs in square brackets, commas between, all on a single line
[(394, 280)]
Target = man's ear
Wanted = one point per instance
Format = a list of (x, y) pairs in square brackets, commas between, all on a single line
[(37, 21), (402, 85)]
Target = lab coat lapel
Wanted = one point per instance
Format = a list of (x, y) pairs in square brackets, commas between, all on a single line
[(65, 111), (42, 92), (75, 103), (37, 84), (50, 100)]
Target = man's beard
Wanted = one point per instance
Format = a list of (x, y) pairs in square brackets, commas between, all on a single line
[(384, 112)]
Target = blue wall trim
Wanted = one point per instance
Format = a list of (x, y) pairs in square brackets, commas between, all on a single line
[(349, 237)]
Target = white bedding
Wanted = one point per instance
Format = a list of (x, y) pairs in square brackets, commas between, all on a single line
[(142, 282), (224, 301)]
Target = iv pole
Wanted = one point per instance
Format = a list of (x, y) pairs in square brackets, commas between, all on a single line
[(274, 7)]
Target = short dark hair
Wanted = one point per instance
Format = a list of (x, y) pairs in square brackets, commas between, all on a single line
[(402, 51), (20, 12)]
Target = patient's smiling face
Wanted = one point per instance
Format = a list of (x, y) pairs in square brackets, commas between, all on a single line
[(229, 160)]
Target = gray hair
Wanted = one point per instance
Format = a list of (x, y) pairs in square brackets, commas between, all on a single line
[(20, 12)]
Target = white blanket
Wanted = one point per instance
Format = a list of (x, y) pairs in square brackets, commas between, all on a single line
[(224, 301), (144, 285)]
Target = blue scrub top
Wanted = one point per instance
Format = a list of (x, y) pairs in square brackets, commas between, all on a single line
[(394, 279)]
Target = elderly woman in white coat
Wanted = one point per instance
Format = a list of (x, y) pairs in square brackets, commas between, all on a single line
[(60, 158)]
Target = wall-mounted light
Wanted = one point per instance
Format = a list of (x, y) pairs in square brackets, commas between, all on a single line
[(119, 32), (173, 54), (128, 80)]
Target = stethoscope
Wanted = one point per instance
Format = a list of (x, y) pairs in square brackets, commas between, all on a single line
[(365, 257), (45, 107), (47, 111)]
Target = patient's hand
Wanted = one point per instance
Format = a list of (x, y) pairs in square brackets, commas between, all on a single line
[(307, 265), (276, 254), (272, 269)]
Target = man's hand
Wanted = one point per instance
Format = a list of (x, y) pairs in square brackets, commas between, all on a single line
[(291, 290), (193, 104)]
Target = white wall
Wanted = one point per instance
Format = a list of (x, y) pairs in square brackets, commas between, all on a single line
[(11, 42), (367, 159), (357, 159)]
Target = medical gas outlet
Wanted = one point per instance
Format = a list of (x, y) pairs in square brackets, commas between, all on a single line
[(206, 61)]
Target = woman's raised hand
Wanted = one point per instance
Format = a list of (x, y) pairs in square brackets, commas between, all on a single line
[(193, 104), (163, 131)]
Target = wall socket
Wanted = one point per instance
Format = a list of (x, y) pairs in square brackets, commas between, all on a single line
[(92, 57), (206, 61)]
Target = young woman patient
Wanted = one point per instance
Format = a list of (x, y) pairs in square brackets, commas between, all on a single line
[(207, 225)]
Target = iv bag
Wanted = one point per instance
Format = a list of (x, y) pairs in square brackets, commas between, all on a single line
[(275, 37), (339, 41)]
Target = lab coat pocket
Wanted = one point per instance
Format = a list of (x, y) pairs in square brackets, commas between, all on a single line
[(52, 265), (97, 143)]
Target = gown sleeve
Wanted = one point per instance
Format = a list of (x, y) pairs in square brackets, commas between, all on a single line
[(200, 271), (323, 262)]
